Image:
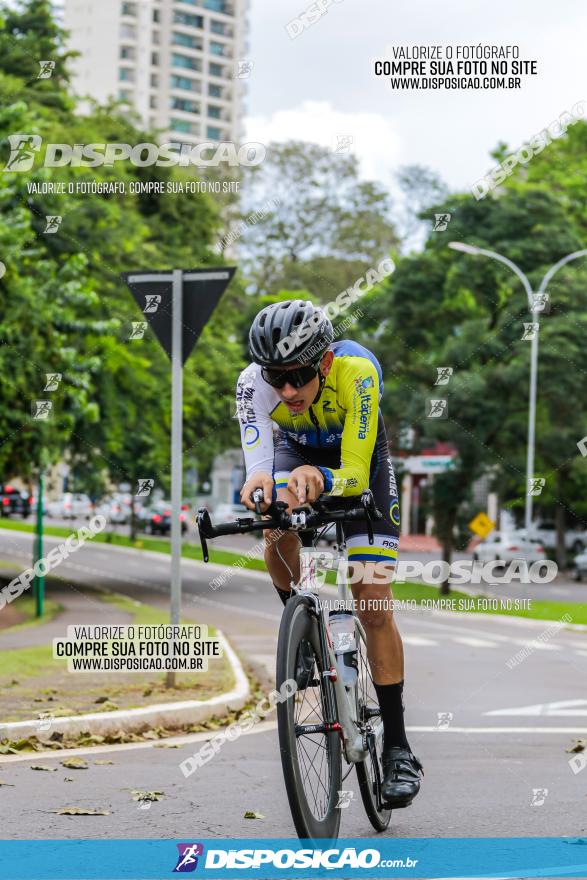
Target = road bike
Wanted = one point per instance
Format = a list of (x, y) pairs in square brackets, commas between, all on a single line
[(332, 713)]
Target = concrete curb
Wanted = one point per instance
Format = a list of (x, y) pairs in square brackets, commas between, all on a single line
[(162, 714)]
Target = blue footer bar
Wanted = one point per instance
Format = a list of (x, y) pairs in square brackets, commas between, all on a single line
[(490, 857)]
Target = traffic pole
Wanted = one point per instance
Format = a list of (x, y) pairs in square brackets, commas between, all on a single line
[(39, 581), (176, 451)]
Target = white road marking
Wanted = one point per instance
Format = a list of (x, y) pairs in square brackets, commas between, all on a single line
[(450, 729), (419, 641), (472, 642), (565, 708)]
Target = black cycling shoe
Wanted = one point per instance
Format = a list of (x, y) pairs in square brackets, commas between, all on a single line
[(401, 777), (304, 676)]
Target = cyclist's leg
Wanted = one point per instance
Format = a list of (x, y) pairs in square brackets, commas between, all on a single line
[(384, 645), (372, 592), (282, 548)]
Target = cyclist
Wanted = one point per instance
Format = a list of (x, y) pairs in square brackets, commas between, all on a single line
[(324, 398)]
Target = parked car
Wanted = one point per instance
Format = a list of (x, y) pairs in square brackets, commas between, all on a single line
[(230, 512), (580, 566), (71, 505), (14, 502), (508, 546), (156, 520), (116, 507), (545, 532)]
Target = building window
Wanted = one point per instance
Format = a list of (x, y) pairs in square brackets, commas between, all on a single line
[(182, 82), (217, 27), (216, 48), (128, 32), (127, 52), (154, 81), (184, 61), (123, 95), (213, 133), (181, 125), (185, 105), (195, 21), (156, 40), (126, 75), (214, 112), (216, 5), (214, 91), (187, 40), (215, 69), (157, 15), (153, 102), (155, 59), (129, 8)]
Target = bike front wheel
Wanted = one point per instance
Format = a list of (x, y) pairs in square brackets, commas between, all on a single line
[(311, 755)]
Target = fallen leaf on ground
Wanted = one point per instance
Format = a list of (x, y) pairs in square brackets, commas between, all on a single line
[(251, 814), (79, 811), (167, 746), (68, 779), (580, 746), (74, 764), (42, 767), (103, 762), (140, 795)]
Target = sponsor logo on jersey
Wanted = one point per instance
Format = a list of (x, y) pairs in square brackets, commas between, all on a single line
[(394, 512), (244, 403), (363, 385), (364, 417), (252, 436)]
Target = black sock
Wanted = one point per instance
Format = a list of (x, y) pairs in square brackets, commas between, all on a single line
[(284, 595), (390, 698)]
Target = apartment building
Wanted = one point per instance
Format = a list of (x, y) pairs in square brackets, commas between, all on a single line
[(181, 64)]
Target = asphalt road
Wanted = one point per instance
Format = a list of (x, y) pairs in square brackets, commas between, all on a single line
[(499, 767)]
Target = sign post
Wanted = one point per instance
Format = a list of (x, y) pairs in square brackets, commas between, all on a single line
[(177, 306)]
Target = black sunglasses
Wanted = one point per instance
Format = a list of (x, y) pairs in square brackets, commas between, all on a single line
[(298, 377)]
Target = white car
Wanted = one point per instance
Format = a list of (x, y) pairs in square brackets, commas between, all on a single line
[(545, 532), (116, 509), (507, 546), (580, 566), (230, 512), (71, 505)]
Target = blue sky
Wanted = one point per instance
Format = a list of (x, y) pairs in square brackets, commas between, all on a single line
[(321, 84)]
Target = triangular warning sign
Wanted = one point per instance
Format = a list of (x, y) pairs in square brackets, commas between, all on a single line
[(202, 289)]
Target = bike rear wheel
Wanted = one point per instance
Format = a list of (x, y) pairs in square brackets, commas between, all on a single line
[(311, 760), (369, 770)]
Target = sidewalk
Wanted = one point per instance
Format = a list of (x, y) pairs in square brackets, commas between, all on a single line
[(78, 608), (418, 544), (33, 684)]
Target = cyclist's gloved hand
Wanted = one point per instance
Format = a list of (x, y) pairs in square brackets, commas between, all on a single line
[(306, 483), (259, 480)]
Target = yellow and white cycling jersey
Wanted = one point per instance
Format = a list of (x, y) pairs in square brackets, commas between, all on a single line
[(344, 418)]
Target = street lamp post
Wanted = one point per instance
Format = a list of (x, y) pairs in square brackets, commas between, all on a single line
[(535, 308)]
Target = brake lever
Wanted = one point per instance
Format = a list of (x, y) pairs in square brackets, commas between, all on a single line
[(368, 504), (204, 525), (257, 497)]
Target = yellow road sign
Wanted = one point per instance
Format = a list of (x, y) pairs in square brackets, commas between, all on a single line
[(481, 525)]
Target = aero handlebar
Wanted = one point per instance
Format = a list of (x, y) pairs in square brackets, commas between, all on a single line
[(308, 518)]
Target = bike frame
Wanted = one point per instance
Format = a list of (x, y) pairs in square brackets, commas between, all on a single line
[(355, 745)]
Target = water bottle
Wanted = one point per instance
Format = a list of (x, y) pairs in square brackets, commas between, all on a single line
[(342, 631)]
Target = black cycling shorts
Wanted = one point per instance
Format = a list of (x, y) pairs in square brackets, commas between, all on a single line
[(289, 455)]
